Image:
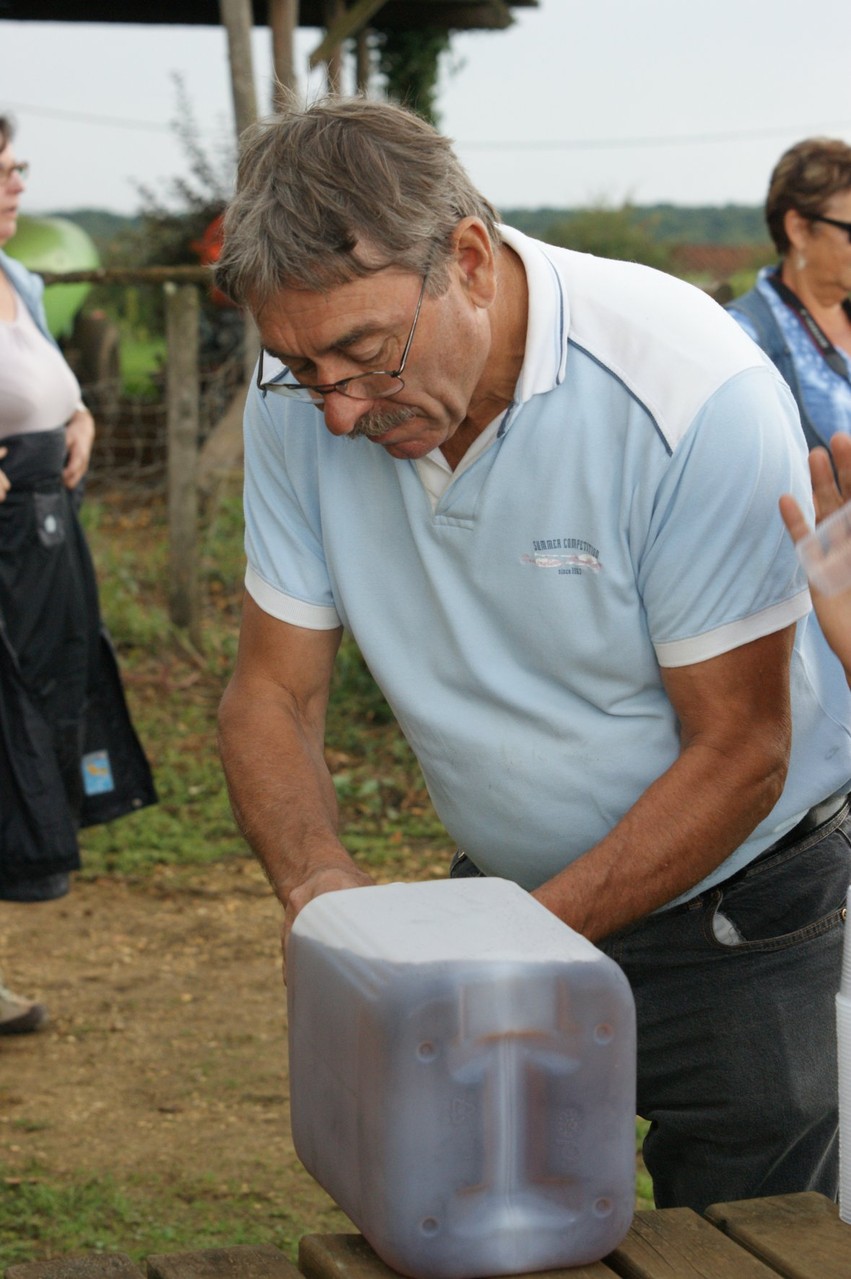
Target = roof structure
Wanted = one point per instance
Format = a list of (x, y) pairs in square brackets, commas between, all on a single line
[(451, 15), (342, 20)]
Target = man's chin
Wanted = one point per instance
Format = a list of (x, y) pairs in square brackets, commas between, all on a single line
[(406, 450)]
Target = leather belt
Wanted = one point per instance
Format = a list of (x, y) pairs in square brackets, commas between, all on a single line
[(810, 821)]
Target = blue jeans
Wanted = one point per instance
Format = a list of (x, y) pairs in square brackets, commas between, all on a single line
[(737, 1037)]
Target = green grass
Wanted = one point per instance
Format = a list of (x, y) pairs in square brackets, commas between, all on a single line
[(139, 1217)]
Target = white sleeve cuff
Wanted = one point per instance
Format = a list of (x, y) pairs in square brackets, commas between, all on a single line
[(286, 608), (723, 639)]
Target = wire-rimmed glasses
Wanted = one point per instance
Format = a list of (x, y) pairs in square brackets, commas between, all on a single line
[(377, 384)]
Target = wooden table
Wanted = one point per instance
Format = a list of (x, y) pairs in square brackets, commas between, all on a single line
[(796, 1236)]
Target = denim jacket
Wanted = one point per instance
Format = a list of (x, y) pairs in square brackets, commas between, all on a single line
[(30, 288)]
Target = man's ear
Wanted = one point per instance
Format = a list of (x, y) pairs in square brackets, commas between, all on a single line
[(475, 259)]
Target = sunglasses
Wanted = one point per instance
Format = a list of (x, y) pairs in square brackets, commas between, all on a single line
[(843, 226)]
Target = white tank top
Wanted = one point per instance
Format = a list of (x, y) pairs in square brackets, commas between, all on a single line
[(38, 391)]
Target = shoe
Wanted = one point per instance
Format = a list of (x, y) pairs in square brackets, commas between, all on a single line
[(19, 1016), (46, 889)]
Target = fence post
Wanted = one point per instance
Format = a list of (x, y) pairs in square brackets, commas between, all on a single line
[(182, 394)]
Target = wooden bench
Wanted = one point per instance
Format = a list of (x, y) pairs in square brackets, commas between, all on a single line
[(793, 1236)]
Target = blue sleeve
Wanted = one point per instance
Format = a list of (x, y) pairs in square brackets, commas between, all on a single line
[(718, 568), (286, 572)]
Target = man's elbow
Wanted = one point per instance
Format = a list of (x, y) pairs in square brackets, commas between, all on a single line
[(773, 769), (227, 718)]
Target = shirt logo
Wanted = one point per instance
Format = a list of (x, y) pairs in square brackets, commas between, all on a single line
[(566, 554)]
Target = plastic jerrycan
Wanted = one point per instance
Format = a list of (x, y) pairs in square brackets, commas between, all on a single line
[(462, 1077)]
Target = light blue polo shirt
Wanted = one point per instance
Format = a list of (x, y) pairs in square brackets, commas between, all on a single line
[(624, 518)]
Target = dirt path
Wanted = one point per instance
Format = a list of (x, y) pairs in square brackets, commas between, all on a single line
[(165, 1055)]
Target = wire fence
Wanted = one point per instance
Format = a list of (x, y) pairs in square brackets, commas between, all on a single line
[(132, 442)]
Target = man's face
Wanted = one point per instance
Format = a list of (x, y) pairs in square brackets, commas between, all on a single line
[(362, 326)]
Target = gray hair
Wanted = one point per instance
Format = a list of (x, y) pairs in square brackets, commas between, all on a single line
[(339, 190)]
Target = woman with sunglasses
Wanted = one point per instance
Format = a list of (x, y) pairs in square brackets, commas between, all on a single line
[(799, 311)]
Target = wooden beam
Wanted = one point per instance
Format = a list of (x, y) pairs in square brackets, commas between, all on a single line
[(446, 15), (344, 26)]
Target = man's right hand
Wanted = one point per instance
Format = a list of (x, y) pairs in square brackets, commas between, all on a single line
[(4, 479)]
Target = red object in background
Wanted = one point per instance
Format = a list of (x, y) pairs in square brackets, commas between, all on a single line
[(208, 249)]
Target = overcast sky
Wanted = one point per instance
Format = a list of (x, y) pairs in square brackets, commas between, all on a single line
[(648, 100)]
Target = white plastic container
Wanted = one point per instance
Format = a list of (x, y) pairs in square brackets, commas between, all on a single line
[(462, 1077), (826, 552)]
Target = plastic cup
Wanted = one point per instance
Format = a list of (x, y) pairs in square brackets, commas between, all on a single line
[(826, 553)]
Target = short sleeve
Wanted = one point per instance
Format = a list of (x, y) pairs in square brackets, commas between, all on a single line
[(286, 573), (719, 569)]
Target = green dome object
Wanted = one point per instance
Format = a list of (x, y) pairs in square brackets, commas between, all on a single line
[(56, 244)]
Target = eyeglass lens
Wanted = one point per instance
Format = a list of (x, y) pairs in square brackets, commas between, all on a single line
[(22, 168)]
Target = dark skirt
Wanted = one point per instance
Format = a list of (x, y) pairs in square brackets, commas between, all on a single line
[(69, 755)]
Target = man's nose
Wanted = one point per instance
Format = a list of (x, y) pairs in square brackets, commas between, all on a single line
[(342, 412)]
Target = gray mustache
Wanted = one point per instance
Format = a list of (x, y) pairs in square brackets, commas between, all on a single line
[(378, 422)]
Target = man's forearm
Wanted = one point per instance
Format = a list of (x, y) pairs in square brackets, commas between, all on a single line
[(281, 792), (682, 827)]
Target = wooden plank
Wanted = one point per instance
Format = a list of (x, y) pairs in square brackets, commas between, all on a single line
[(800, 1236), (676, 1243), (242, 1261), (351, 1257), (91, 1265)]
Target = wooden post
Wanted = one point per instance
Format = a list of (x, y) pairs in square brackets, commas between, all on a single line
[(332, 11), (237, 20), (183, 420), (363, 61), (283, 20)]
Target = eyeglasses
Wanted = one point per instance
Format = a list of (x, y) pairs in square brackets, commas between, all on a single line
[(22, 168), (377, 384), (843, 226)]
